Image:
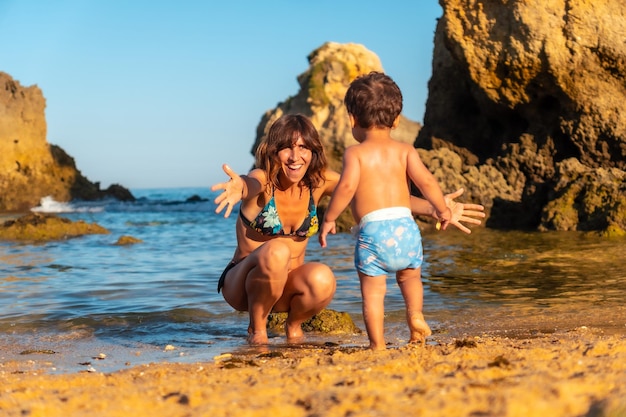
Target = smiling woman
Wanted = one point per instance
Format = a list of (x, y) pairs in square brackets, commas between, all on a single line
[(267, 272)]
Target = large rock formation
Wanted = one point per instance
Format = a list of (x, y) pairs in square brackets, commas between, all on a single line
[(30, 168), (323, 86), (531, 94)]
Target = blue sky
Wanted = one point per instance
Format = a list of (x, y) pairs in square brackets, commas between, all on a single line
[(151, 94)]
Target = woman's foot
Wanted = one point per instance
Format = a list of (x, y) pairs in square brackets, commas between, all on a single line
[(294, 332), (257, 338)]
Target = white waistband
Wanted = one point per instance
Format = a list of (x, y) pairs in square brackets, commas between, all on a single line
[(385, 214)]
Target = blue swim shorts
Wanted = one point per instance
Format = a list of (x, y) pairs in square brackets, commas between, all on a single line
[(388, 240)]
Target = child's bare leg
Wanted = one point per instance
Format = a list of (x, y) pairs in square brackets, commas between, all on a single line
[(418, 327), (410, 283), (373, 291)]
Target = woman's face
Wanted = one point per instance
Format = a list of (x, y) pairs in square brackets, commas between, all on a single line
[(295, 160)]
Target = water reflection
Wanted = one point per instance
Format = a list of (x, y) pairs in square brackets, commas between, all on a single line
[(541, 266), (489, 280), (534, 278)]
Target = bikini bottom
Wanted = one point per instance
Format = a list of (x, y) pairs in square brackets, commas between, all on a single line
[(230, 266)]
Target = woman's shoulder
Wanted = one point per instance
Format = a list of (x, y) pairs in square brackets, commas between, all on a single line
[(260, 176), (331, 175), (331, 179)]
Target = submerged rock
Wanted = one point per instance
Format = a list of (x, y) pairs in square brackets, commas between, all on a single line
[(127, 240), (45, 227), (326, 321)]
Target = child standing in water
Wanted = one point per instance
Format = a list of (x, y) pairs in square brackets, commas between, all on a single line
[(375, 180)]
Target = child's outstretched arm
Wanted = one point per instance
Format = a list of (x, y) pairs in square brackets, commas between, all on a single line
[(428, 185), (461, 212)]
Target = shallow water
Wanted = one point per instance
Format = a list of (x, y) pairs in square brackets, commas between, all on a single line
[(86, 295)]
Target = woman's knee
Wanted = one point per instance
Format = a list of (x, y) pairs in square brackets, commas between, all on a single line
[(274, 257), (322, 280)]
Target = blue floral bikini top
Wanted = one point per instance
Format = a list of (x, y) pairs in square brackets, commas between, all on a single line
[(268, 223)]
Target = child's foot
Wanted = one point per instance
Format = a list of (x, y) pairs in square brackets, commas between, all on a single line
[(375, 346), (419, 328)]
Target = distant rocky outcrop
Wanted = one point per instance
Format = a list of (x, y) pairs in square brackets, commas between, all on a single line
[(30, 168), (530, 97), (37, 227)]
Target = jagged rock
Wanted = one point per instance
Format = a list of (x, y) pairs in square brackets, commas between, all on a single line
[(127, 240), (522, 86), (587, 199), (30, 168), (38, 227), (195, 199)]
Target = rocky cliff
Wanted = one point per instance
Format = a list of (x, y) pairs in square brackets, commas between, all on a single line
[(531, 94), (30, 168)]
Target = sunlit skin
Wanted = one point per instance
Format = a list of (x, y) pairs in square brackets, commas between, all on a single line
[(376, 177), (361, 186), (272, 274)]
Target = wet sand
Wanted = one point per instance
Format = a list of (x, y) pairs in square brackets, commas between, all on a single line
[(578, 372)]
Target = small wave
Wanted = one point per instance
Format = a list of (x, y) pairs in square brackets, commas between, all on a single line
[(158, 202), (50, 205)]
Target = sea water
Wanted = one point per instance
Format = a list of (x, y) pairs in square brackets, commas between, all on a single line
[(70, 303)]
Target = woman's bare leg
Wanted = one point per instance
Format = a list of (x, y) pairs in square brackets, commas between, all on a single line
[(309, 289), (256, 284), (410, 283), (373, 291)]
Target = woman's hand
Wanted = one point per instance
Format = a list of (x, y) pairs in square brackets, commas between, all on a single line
[(463, 212), (233, 191)]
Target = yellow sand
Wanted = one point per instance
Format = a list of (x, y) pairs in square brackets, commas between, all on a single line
[(576, 373)]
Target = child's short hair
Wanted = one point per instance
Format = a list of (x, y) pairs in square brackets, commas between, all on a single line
[(374, 100)]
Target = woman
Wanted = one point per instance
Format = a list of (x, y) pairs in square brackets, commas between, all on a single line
[(277, 216)]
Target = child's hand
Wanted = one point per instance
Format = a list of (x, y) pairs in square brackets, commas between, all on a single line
[(444, 219), (233, 191), (469, 213), (327, 227)]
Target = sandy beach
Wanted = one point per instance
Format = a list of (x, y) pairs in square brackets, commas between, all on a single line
[(580, 372)]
